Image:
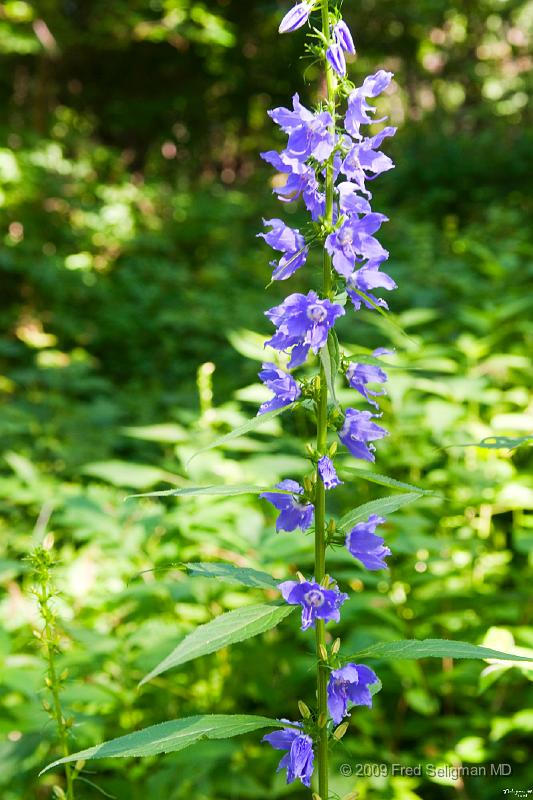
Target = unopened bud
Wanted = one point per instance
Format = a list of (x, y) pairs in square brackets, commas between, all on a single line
[(304, 710), (339, 732), (300, 577), (308, 486), (333, 449), (332, 527), (325, 581), (64, 675), (322, 720), (322, 652), (310, 450), (336, 646), (316, 796)]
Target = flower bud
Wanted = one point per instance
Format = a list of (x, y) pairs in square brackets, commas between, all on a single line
[(339, 732), (296, 17), (333, 449), (322, 720), (316, 796), (304, 710), (300, 577), (323, 652), (336, 646)]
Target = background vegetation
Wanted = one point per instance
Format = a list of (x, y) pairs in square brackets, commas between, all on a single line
[(130, 194)]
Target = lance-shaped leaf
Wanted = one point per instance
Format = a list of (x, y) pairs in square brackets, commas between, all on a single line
[(168, 737), (497, 442), (245, 576), (213, 491), (384, 480), (330, 359), (383, 505), (431, 648), (234, 626), (251, 425)]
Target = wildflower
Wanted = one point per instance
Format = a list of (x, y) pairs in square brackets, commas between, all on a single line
[(335, 56), (349, 685), (358, 430), (327, 473), (316, 601), (298, 761), (302, 322), (353, 241), (359, 375), (285, 388), (366, 546), (343, 37), (290, 242), (366, 280), (359, 111), (309, 134), (296, 17), (293, 513)]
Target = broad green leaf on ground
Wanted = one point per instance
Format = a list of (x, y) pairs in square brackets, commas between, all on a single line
[(232, 574), (383, 505), (234, 626), (125, 473), (168, 737), (329, 357), (251, 425), (221, 491), (384, 480), (431, 648)]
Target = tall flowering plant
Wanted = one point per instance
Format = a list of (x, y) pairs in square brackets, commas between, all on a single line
[(328, 162)]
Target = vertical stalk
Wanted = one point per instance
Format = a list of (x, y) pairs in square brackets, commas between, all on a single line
[(321, 446)]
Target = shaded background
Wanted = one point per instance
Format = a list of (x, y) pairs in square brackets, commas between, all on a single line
[(130, 194)]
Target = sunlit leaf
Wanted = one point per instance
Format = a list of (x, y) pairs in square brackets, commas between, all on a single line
[(431, 648), (383, 505)]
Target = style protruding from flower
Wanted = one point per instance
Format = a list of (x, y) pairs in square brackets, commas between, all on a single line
[(285, 388), (316, 601), (328, 473), (302, 322), (365, 545), (358, 431), (293, 512), (349, 684), (299, 758), (296, 17)]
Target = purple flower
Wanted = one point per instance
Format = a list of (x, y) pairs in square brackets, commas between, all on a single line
[(358, 430), (285, 388), (299, 757), (309, 134), (349, 201), (353, 241), (327, 473), (335, 56), (366, 546), (293, 513), (290, 242), (301, 181), (343, 37), (359, 111), (302, 322), (359, 375), (365, 280), (316, 601), (349, 685), (296, 17)]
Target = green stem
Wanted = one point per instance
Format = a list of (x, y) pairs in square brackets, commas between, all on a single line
[(53, 685), (321, 446)]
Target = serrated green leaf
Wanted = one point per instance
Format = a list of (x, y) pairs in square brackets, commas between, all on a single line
[(251, 425), (169, 737), (383, 505), (234, 626), (231, 574), (431, 648), (384, 480), (330, 359)]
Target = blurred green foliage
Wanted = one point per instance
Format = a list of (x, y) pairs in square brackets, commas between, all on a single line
[(130, 194)]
